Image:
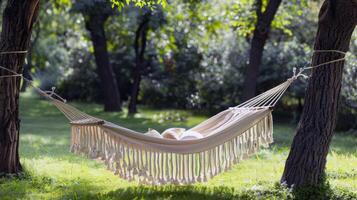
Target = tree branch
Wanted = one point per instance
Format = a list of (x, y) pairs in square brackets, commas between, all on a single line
[(258, 8)]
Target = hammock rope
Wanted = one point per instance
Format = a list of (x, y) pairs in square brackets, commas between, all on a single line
[(12, 52), (177, 156)]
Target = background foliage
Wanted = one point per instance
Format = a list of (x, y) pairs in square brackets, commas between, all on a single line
[(197, 50)]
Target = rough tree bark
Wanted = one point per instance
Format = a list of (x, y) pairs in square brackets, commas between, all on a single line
[(139, 46), (18, 19), (307, 158), (260, 36), (95, 25)]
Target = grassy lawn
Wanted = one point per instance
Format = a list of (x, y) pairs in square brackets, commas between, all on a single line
[(52, 172)]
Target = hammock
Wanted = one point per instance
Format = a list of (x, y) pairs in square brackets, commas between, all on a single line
[(177, 156)]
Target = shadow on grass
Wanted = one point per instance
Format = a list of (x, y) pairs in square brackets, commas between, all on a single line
[(48, 188), (181, 193), (172, 192), (43, 187)]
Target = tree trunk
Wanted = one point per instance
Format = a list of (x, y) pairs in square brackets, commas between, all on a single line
[(132, 109), (95, 26), (27, 70), (260, 36), (18, 19), (307, 158), (28, 66), (139, 46)]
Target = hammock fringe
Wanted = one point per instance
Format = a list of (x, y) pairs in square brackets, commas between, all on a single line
[(151, 166)]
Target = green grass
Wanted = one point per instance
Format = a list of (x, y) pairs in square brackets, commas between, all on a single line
[(52, 172)]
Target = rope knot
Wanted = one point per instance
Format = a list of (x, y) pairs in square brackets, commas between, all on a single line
[(53, 94), (296, 74), (52, 91)]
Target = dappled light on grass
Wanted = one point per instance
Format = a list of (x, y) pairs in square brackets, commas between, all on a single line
[(53, 172)]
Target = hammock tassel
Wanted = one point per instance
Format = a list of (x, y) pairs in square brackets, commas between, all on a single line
[(150, 166)]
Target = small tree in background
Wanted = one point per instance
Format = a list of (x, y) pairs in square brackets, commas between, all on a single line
[(95, 15), (265, 17), (140, 63)]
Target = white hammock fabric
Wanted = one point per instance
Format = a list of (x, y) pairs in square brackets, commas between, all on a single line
[(178, 156)]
